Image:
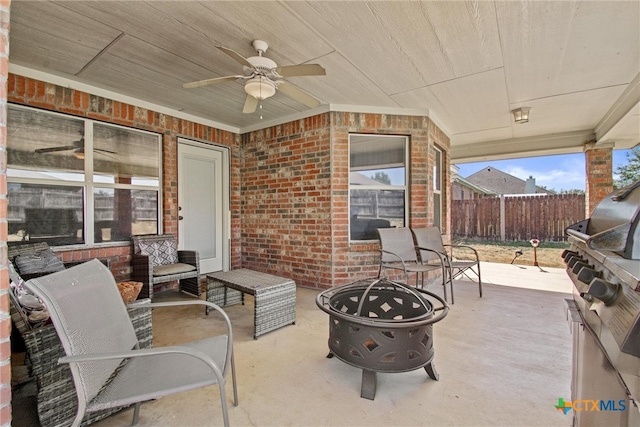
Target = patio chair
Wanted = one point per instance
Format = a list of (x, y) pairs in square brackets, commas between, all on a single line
[(156, 259), (462, 262), (398, 252), (108, 368)]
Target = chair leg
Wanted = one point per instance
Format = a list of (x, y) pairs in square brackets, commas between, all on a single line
[(233, 381), (223, 400), (451, 285), (136, 412), (479, 281)]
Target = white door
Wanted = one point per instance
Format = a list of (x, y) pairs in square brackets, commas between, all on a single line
[(203, 203)]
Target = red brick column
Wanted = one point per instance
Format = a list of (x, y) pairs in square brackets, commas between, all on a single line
[(5, 319), (599, 174)]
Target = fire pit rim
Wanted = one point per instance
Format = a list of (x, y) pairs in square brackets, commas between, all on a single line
[(323, 302)]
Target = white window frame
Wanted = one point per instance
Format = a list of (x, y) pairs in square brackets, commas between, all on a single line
[(404, 188), (89, 183)]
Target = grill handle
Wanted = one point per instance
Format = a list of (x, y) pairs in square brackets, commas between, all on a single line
[(614, 239)]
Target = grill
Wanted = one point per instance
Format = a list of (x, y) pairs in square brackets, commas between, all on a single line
[(382, 326), (603, 263)]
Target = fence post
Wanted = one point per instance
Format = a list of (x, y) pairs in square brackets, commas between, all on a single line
[(503, 231)]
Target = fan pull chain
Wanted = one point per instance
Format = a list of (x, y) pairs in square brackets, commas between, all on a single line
[(260, 106)]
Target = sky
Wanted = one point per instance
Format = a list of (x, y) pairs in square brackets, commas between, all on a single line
[(561, 172)]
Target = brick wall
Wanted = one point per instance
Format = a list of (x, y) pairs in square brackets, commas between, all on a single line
[(295, 187), (5, 319), (599, 174), (286, 209), (34, 93)]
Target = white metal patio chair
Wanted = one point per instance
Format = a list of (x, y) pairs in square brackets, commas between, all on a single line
[(399, 252), (464, 261), (108, 368)]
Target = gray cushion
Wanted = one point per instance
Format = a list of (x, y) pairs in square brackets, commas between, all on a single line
[(165, 270), (43, 262), (163, 252)]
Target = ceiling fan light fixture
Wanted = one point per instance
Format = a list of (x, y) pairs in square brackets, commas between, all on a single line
[(260, 88), (521, 115)]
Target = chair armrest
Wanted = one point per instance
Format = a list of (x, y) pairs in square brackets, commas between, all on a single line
[(169, 349), (90, 357), (384, 251), (189, 257), (212, 306), (475, 252), (444, 258), (141, 266)]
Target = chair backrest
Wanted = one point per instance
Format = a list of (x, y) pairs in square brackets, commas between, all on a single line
[(162, 249), (89, 315), (430, 238), (399, 241)]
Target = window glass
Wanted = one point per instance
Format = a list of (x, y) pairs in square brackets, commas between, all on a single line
[(377, 183), (44, 146), (125, 156), (45, 213), (121, 213), (77, 181), (437, 189)]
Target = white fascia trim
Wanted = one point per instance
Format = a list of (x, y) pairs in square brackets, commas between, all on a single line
[(281, 120), (379, 110), (94, 90)]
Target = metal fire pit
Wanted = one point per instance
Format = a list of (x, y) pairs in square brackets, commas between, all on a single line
[(381, 326)]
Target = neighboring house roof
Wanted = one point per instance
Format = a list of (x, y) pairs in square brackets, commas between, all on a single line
[(473, 187), (356, 178), (501, 182)]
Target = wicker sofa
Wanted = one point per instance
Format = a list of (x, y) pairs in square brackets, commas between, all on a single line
[(56, 398), (156, 259)]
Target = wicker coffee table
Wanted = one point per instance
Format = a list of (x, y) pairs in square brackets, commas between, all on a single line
[(275, 297)]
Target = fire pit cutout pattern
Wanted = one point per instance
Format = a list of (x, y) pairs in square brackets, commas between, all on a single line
[(382, 326)]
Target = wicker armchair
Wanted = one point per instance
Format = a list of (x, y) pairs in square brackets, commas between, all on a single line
[(156, 259), (57, 403)]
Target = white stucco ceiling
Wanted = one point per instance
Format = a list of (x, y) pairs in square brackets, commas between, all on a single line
[(464, 63)]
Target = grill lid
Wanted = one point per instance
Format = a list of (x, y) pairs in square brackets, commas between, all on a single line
[(613, 225)]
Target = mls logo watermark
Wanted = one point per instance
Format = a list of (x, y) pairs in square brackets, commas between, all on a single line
[(590, 405)]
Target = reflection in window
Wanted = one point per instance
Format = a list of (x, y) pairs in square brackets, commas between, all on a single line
[(51, 196), (125, 156), (377, 184), (45, 213), (121, 213)]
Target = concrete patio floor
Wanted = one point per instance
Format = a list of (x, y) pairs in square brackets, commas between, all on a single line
[(503, 360)]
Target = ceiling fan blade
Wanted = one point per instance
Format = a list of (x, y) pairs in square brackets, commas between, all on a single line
[(210, 81), (301, 70), (52, 149), (235, 55), (298, 94), (250, 105), (100, 150)]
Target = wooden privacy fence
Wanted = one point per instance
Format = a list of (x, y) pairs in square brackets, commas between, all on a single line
[(521, 217)]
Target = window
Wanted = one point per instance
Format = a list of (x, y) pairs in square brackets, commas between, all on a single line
[(74, 181), (377, 184), (437, 189)]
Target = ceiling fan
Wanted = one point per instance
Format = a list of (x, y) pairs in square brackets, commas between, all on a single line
[(263, 77), (77, 147)]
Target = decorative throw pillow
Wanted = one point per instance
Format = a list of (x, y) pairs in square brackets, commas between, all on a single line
[(161, 253), (44, 262)]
